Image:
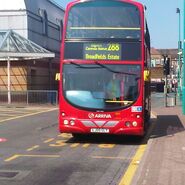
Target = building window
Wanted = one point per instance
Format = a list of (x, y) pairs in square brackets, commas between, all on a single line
[(45, 23), (60, 27), (44, 19)]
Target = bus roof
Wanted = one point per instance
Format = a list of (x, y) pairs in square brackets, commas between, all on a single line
[(138, 4)]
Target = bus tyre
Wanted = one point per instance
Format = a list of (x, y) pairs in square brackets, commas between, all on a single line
[(77, 135)]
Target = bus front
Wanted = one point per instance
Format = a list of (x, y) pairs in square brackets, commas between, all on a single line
[(103, 44)]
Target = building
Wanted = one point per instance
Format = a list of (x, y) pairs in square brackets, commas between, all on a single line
[(156, 65), (30, 21), (173, 55), (157, 62)]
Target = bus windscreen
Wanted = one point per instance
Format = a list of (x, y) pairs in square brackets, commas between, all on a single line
[(100, 86), (104, 19)]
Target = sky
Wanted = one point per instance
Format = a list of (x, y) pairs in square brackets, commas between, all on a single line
[(163, 21)]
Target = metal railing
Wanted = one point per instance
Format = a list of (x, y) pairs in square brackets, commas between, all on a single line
[(29, 97)]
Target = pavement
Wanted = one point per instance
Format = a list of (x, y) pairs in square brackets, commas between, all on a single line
[(164, 160)]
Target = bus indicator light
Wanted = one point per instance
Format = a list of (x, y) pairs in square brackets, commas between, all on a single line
[(63, 114), (72, 122), (137, 116), (127, 124)]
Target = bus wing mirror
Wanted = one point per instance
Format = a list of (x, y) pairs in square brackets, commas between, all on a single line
[(57, 76)]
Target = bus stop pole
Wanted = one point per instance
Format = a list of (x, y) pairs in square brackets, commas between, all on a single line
[(183, 68), (179, 57), (9, 82), (165, 92)]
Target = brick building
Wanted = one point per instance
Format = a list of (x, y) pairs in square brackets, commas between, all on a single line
[(30, 38)]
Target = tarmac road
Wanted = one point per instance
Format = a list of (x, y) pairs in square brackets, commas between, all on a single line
[(33, 152)]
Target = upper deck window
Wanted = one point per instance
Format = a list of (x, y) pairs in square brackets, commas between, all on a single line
[(104, 19)]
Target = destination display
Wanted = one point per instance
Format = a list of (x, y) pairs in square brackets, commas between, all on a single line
[(102, 51)]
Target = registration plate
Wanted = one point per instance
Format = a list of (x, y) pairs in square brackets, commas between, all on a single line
[(99, 130)]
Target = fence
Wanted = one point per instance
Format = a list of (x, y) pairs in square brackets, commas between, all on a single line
[(30, 97)]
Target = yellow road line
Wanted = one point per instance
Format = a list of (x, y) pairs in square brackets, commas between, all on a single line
[(85, 145), (6, 114), (44, 156), (74, 145), (12, 158), (65, 135), (35, 113), (15, 111), (49, 140), (39, 156), (153, 115), (32, 148), (128, 176), (107, 157)]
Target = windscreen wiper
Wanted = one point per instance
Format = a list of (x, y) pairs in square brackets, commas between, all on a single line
[(85, 67), (113, 71)]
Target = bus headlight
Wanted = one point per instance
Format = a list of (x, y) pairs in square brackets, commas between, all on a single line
[(66, 122), (134, 123)]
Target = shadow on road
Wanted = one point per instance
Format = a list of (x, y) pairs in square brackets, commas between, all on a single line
[(107, 139), (167, 125)]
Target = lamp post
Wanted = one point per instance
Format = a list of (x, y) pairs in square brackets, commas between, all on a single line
[(179, 56), (183, 69)]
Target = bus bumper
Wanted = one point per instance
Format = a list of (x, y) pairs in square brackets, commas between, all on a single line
[(138, 131)]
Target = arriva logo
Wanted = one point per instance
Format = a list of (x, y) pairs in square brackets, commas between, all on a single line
[(92, 116)]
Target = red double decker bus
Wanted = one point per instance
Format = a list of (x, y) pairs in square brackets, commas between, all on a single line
[(105, 64)]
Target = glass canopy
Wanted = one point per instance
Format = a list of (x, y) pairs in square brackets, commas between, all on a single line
[(14, 45)]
